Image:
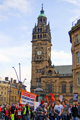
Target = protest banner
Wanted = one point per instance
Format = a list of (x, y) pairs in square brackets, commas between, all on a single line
[(61, 98), (27, 98), (75, 97)]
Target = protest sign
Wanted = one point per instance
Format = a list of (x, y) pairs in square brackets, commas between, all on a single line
[(75, 97), (27, 98)]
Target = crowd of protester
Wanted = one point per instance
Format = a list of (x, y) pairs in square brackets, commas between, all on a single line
[(54, 111)]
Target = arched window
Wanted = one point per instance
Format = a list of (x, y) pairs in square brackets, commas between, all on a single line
[(38, 29), (44, 35), (41, 36), (41, 20), (38, 36), (50, 72), (33, 36)]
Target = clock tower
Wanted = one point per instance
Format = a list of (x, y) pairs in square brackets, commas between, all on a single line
[(41, 48)]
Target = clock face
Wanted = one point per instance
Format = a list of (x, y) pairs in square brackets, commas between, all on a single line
[(39, 52)]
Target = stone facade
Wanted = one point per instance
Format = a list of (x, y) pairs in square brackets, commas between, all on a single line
[(75, 41), (53, 79), (10, 91)]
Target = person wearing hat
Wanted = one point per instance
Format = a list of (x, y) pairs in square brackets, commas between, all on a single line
[(40, 111)]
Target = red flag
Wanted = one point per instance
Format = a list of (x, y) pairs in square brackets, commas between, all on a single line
[(52, 96), (47, 99)]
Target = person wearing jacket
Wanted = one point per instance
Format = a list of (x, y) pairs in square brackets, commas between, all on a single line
[(28, 112), (51, 112), (65, 111), (6, 113), (74, 112), (24, 112), (79, 112), (40, 110), (0, 111)]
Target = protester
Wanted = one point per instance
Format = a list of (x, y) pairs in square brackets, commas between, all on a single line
[(51, 108), (79, 111), (6, 113), (13, 110), (28, 112), (65, 111), (74, 112), (69, 116), (58, 109), (0, 111), (40, 111), (46, 116), (24, 112)]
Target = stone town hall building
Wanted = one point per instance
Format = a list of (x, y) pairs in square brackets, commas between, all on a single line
[(47, 78)]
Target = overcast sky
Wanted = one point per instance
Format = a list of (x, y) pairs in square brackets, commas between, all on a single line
[(17, 19)]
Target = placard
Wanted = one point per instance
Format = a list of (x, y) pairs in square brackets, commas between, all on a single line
[(19, 112), (75, 97), (27, 98)]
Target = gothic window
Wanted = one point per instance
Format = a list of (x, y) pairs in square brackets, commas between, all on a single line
[(41, 20), (40, 29), (49, 88), (77, 57), (63, 88), (36, 79), (38, 36), (50, 72), (34, 36), (41, 36), (71, 88), (44, 35), (37, 70), (39, 79)]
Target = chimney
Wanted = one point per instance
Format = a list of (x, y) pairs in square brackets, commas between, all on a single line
[(14, 81), (11, 80), (6, 78)]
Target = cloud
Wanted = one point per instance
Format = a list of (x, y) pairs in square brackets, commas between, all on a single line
[(75, 2), (17, 52), (14, 7), (4, 58), (61, 58)]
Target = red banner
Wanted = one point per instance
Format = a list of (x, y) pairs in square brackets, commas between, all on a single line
[(47, 99), (52, 96)]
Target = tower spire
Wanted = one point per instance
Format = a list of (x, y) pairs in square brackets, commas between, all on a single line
[(42, 6)]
